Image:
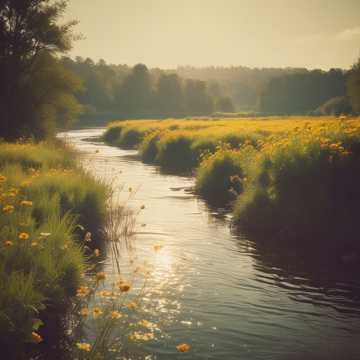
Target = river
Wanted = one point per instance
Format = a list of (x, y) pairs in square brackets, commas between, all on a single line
[(222, 293)]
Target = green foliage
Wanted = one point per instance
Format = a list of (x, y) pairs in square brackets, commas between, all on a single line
[(42, 155), (175, 153), (123, 92), (36, 91), (353, 87), (135, 96), (219, 176), (197, 101), (43, 196), (224, 104), (170, 95), (337, 106), (149, 147), (308, 191), (303, 92), (130, 137), (112, 134)]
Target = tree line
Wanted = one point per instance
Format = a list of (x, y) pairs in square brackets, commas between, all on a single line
[(140, 92), (302, 93), (189, 91)]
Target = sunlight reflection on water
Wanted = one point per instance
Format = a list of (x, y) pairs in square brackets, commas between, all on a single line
[(229, 297)]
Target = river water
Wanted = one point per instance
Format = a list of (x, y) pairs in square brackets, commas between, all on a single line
[(224, 294)]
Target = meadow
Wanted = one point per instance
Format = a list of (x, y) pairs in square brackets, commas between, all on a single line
[(282, 176), (48, 207)]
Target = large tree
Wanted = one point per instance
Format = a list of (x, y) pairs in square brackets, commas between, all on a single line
[(36, 92)]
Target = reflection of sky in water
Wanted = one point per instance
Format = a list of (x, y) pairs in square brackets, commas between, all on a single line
[(215, 290)]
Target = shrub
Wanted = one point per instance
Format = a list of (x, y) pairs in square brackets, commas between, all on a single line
[(219, 177), (174, 152), (306, 188)]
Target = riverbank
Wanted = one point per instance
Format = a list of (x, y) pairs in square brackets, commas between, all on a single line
[(282, 176), (48, 205), (224, 292)]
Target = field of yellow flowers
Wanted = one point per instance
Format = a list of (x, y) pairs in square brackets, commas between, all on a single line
[(297, 176), (43, 196)]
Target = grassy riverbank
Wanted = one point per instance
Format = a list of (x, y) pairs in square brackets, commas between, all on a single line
[(44, 196), (297, 176)]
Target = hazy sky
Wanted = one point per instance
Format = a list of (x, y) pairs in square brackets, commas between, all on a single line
[(255, 33)]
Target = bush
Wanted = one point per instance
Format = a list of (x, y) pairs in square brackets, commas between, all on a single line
[(174, 152), (149, 148), (112, 134), (219, 177), (306, 188)]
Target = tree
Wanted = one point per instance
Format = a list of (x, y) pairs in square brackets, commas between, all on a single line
[(224, 104), (36, 92), (170, 95), (339, 105), (135, 96), (303, 92), (197, 101), (353, 86)]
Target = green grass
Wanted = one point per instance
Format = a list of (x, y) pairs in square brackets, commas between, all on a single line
[(43, 196), (307, 190)]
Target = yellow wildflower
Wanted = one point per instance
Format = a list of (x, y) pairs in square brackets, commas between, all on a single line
[(138, 336), (97, 312), (83, 291), (84, 312), (36, 337), (27, 203), (84, 346), (34, 244), (11, 194), (147, 324), (8, 243), (183, 347), (24, 236), (2, 178), (105, 293), (8, 209), (116, 314), (123, 286), (132, 305)]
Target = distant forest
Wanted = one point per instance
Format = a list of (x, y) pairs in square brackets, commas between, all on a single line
[(120, 91)]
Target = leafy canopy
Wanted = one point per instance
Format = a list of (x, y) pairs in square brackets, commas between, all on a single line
[(35, 89)]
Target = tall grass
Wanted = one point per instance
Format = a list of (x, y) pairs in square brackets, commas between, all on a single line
[(178, 144), (306, 186), (295, 175), (43, 197)]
